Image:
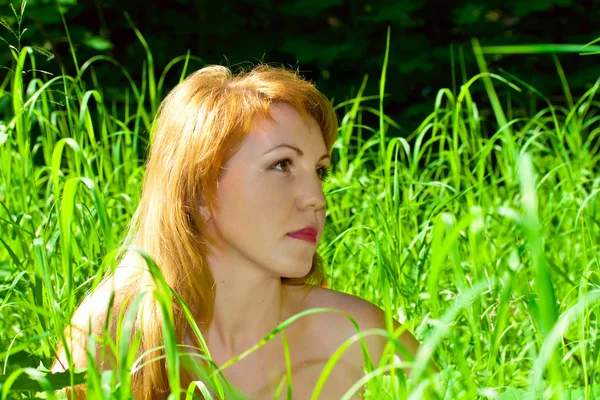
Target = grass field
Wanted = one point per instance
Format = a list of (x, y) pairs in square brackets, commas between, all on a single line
[(483, 241)]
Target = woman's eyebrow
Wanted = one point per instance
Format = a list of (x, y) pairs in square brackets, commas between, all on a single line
[(297, 150)]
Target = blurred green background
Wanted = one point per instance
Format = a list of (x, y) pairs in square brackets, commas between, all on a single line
[(333, 42)]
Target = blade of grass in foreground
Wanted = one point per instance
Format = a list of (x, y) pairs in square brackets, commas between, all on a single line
[(554, 338), (531, 225), (543, 281)]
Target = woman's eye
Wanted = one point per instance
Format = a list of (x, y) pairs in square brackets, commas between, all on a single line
[(322, 172), (286, 161)]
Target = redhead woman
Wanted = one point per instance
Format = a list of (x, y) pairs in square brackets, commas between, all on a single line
[(232, 209)]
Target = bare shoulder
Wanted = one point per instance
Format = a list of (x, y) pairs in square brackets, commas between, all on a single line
[(365, 311), (91, 317), (367, 316)]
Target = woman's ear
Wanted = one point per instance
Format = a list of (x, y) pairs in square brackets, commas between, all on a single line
[(205, 214), (199, 206)]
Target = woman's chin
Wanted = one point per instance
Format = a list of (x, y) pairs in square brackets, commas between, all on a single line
[(296, 274)]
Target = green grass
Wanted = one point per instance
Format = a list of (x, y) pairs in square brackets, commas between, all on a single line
[(479, 231)]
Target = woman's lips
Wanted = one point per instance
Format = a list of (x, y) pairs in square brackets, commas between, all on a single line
[(304, 236)]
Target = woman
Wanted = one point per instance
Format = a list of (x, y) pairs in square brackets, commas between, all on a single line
[(232, 209)]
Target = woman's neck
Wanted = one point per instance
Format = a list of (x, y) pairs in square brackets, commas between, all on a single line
[(247, 308)]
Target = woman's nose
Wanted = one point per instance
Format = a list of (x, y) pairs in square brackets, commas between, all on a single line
[(310, 193)]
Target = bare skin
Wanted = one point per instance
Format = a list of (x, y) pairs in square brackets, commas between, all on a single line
[(261, 198), (312, 341)]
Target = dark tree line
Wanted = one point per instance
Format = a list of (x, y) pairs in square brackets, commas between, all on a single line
[(333, 42)]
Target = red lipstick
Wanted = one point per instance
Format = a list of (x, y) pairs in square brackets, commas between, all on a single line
[(309, 234)]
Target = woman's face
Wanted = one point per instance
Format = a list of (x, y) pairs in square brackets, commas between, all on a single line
[(268, 190)]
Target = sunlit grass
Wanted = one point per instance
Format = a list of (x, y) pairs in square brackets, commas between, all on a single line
[(479, 232)]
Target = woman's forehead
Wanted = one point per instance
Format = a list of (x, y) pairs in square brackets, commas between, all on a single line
[(286, 127)]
